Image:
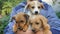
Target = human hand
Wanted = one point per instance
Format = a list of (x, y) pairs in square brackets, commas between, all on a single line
[(27, 32), (39, 32)]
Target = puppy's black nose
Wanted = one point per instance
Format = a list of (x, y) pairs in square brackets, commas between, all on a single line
[(20, 28), (36, 12), (33, 30)]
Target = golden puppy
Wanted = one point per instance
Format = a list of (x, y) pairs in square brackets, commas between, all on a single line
[(39, 23), (21, 20)]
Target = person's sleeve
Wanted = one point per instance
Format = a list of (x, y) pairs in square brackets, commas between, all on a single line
[(53, 20)]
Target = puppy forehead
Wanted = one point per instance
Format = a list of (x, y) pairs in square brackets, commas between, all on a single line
[(33, 3), (35, 18), (20, 16)]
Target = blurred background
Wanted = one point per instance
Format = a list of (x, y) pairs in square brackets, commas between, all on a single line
[(7, 5)]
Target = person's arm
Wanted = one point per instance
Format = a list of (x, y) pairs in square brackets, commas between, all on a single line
[(53, 20), (8, 29)]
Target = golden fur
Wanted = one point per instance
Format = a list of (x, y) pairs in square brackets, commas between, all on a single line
[(40, 23), (21, 21)]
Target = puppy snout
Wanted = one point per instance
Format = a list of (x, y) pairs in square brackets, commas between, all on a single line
[(36, 12), (33, 30), (20, 28)]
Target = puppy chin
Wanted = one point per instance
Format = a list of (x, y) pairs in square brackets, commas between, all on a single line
[(35, 13), (35, 30), (24, 30)]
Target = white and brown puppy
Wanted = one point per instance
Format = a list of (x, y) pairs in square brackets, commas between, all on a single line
[(21, 22), (34, 7), (40, 24)]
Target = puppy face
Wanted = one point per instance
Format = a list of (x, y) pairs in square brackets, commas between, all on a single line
[(35, 6), (21, 20), (38, 23)]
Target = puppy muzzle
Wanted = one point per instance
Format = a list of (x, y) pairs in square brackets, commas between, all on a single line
[(36, 12), (19, 28), (34, 31)]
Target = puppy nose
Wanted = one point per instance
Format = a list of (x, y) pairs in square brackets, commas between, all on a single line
[(36, 12), (20, 28), (33, 30)]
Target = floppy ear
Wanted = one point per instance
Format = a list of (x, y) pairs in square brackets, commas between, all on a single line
[(29, 1), (27, 19), (13, 18), (42, 6), (27, 22), (26, 16), (45, 25), (26, 7)]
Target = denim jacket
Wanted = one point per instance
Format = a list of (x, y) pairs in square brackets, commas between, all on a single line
[(48, 12)]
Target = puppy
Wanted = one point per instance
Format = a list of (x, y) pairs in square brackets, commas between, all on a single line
[(40, 24), (34, 7), (21, 22)]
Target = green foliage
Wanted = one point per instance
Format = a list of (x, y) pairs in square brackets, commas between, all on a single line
[(6, 6), (3, 23), (15, 2), (58, 14), (1, 6), (5, 10)]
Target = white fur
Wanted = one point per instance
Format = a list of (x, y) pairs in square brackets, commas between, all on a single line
[(29, 28), (36, 7)]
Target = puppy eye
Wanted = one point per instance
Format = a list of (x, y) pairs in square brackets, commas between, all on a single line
[(21, 21), (16, 22), (33, 7), (38, 7), (31, 23), (37, 23)]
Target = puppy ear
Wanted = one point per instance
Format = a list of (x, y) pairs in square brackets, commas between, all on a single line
[(27, 19), (26, 16), (42, 6), (44, 23), (13, 18), (26, 7), (29, 1), (27, 22)]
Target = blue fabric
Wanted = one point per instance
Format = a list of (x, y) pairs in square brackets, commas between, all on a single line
[(54, 31), (48, 12)]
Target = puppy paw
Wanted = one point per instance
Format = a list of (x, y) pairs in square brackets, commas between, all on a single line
[(25, 28)]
